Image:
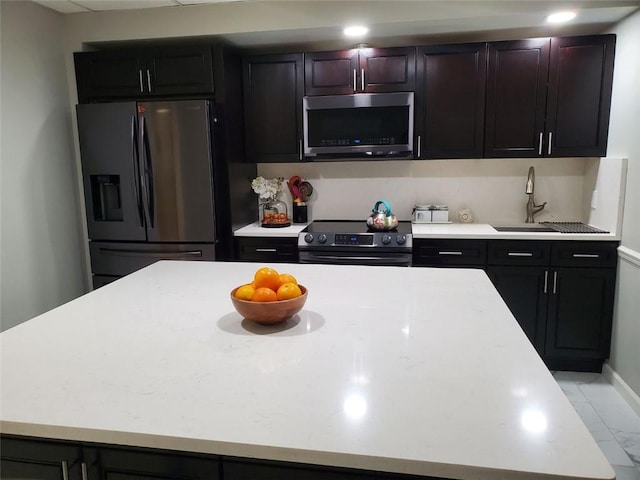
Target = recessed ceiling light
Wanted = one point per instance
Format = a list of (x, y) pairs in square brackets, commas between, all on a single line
[(355, 31), (561, 17)]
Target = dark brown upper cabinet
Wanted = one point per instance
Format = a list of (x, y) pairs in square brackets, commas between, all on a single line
[(144, 72), (450, 97), (273, 90), (360, 70), (549, 97), (579, 95)]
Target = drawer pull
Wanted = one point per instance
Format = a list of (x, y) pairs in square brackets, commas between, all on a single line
[(520, 254), (271, 250), (447, 252), (586, 255)]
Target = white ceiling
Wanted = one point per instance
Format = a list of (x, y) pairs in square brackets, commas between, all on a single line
[(440, 18), (75, 6)]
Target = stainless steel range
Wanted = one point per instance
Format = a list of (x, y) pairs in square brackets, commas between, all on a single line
[(351, 243)]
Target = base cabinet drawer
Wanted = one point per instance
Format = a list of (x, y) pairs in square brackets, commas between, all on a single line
[(267, 249), (518, 252), (584, 254), (443, 253)]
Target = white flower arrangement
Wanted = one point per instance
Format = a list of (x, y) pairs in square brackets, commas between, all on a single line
[(267, 189)]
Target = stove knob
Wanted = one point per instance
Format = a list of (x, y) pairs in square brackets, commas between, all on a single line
[(401, 239), (386, 239), (308, 238), (322, 238)]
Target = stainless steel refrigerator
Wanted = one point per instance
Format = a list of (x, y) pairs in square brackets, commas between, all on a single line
[(157, 185)]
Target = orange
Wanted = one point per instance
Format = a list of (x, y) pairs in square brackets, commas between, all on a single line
[(245, 292), (287, 278), (267, 277), (264, 294), (288, 290)]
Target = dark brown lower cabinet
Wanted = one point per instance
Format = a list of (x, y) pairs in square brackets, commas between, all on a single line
[(38, 459), (562, 294), (245, 469), (580, 317), (23, 459), (523, 290), (133, 464)]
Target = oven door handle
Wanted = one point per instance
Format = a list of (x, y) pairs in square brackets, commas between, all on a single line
[(404, 260)]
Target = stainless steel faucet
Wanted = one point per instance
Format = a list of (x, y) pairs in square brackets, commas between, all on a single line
[(532, 208)]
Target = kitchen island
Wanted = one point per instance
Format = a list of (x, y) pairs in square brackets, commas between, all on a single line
[(410, 371)]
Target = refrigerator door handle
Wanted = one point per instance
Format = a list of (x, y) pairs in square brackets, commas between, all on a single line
[(148, 174), (118, 252), (136, 170)]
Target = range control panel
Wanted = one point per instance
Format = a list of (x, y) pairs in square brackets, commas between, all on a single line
[(377, 240)]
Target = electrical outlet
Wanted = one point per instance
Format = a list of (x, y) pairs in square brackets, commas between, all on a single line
[(594, 200)]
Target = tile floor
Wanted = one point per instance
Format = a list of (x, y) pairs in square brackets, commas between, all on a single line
[(611, 421)]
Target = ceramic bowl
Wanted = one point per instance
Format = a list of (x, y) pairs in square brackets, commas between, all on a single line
[(269, 313)]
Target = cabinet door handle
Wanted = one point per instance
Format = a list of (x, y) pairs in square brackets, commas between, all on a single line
[(65, 470), (149, 80), (447, 252), (540, 145), (520, 254), (419, 145), (141, 84), (362, 78), (586, 255), (546, 280), (355, 87), (300, 149), (83, 468), (549, 146), (270, 250), (555, 282)]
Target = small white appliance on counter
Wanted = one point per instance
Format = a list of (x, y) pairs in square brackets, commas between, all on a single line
[(423, 213)]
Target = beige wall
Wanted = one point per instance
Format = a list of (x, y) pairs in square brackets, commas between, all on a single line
[(625, 141), (41, 251)]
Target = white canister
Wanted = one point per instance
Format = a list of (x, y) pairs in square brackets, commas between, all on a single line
[(440, 214), (422, 213)]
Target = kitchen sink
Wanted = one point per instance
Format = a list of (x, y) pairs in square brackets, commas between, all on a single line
[(524, 228)]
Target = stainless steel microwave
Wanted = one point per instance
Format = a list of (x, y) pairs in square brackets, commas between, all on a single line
[(362, 125)]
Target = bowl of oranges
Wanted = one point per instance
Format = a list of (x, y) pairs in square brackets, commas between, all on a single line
[(270, 298)]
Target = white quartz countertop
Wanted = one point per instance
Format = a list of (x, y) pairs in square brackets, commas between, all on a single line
[(257, 230), (421, 371), (486, 231), (440, 230)]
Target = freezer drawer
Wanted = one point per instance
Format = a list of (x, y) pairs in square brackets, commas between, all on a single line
[(111, 258)]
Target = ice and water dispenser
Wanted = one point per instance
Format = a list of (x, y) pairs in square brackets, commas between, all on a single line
[(105, 196)]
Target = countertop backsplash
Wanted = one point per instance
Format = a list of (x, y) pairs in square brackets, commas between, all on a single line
[(494, 189)]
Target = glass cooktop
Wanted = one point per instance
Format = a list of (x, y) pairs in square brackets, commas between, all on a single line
[(350, 226)]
